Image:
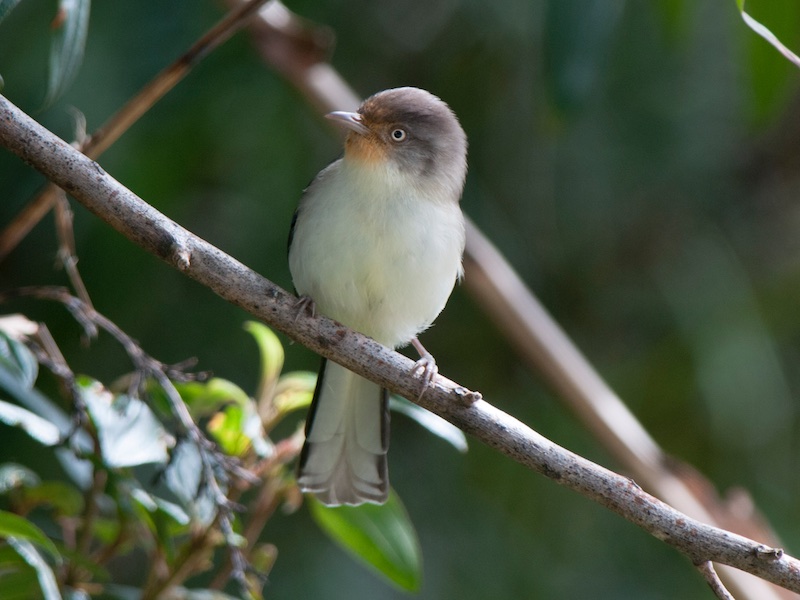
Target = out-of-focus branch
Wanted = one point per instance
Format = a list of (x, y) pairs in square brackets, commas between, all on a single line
[(283, 40), (94, 145), (86, 181)]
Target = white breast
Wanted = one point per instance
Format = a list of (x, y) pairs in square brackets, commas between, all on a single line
[(376, 251)]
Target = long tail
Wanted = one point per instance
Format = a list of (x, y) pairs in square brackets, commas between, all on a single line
[(347, 436)]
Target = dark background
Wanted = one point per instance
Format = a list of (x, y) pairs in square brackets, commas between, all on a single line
[(636, 162)]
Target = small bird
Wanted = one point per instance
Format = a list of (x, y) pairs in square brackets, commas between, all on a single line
[(376, 244)]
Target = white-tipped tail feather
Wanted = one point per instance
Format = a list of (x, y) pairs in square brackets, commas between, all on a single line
[(347, 436)]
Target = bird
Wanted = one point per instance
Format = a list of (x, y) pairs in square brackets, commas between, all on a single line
[(376, 243)]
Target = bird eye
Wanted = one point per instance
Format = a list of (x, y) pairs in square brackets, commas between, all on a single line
[(398, 135)]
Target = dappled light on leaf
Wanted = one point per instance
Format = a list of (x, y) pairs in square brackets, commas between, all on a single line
[(430, 421), (70, 28), (40, 429), (44, 573), (129, 433)]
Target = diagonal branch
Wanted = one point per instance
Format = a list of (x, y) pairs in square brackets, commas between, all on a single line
[(108, 199)]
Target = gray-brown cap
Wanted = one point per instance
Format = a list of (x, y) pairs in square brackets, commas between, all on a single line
[(412, 128)]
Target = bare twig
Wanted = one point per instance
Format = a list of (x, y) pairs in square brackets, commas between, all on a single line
[(97, 143), (713, 580), (66, 249), (231, 280)]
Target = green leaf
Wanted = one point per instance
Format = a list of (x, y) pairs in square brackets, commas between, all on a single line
[(154, 504), (382, 536), (19, 528), (770, 78), (71, 27), (42, 407), (185, 478), (6, 6), (430, 421), (128, 430), (765, 33), (41, 430), (272, 356), (294, 391), (64, 498), (17, 578), (15, 358), (45, 575), (238, 428), (206, 398)]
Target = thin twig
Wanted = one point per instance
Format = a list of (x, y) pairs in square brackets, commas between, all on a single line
[(66, 248), (97, 143), (233, 281), (713, 580)]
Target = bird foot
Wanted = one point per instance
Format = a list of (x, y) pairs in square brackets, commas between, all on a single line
[(425, 366), (305, 304)]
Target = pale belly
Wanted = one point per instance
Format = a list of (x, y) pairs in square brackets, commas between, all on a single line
[(384, 269)]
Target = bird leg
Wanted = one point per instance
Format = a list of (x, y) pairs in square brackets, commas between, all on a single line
[(425, 366)]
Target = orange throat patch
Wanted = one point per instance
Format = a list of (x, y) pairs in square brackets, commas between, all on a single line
[(366, 149)]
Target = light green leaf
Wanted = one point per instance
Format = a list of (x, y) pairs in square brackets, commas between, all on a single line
[(430, 421), (382, 536), (238, 428), (295, 390), (128, 430), (45, 575), (71, 27), (41, 430), (205, 398), (6, 6), (272, 356), (19, 528)]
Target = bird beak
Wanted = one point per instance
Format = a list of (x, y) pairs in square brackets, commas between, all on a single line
[(350, 120)]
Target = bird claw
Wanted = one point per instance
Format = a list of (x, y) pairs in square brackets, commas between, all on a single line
[(427, 369), (425, 366), (305, 304)]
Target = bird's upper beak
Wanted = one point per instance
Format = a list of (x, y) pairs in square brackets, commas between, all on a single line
[(350, 120)]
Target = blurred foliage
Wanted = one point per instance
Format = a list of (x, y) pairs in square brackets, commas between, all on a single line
[(111, 511), (636, 162)]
